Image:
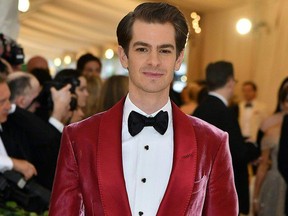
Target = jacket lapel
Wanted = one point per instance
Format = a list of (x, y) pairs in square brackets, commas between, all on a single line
[(109, 163), (180, 186)]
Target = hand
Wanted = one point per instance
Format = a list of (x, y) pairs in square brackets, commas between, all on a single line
[(61, 102), (24, 167)]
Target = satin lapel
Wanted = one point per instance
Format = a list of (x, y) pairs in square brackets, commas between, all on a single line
[(109, 163), (180, 186)]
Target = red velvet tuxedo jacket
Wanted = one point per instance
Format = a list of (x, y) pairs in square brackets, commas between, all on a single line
[(89, 178)]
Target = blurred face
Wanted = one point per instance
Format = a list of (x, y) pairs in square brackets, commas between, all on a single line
[(248, 92), (82, 92), (151, 59), (4, 102), (91, 69)]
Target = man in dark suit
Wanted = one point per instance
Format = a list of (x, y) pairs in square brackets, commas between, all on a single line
[(25, 134), (7, 162), (282, 155), (144, 156), (214, 109)]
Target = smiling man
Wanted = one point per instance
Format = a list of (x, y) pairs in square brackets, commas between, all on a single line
[(144, 156)]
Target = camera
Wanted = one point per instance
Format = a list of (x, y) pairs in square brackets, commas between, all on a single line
[(12, 52), (45, 97)]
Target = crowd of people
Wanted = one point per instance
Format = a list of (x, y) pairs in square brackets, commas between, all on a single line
[(35, 109)]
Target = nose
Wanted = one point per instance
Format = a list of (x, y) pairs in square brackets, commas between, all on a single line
[(154, 58)]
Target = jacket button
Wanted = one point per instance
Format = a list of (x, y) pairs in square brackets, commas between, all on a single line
[(146, 147), (143, 180)]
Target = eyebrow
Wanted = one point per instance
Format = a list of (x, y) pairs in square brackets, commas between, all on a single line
[(140, 43)]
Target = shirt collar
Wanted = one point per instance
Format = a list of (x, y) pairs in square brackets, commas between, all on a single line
[(220, 97), (129, 106)]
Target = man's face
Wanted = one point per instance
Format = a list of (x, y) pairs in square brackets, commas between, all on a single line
[(151, 59), (91, 68), (248, 92), (4, 102)]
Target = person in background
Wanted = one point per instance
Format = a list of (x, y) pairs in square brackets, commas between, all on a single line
[(189, 97), (80, 92), (270, 187), (89, 65), (25, 89), (282, 156), (251, 111), (8, 163), (114, 88), (37, 62), (144, 156), (94, 86), (214, 109)]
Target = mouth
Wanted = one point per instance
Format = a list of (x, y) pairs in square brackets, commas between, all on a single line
[(153, 74)]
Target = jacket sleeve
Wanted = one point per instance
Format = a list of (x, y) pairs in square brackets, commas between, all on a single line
[(221, 197), (66, 196)]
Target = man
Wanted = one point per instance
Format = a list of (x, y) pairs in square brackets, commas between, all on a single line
[(89, 65), (282, 156), (251, 111), (27, 134), (110, 164), (6, 162), (214, 109)]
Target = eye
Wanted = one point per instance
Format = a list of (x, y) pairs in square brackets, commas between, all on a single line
[(141, 49), (165, 51)]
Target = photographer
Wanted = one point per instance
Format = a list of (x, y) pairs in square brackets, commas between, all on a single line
[(78, 91), (12, 52)]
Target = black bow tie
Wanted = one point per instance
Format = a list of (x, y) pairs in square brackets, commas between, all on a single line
[(136, 122)]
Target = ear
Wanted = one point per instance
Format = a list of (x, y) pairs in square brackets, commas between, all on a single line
[(123, 57), (20, 101), (179, 60)]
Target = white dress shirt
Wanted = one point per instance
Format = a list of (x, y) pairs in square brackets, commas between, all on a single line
[(147, 162), (5, 161)]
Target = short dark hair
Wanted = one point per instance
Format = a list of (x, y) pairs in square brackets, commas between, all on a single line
[(154, 13), (218, 73), (84, 59), (252, 84)]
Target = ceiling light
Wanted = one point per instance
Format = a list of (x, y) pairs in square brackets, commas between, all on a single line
[(109, 54), (243, 26), (67, 59), (23, 5), (57, 62)]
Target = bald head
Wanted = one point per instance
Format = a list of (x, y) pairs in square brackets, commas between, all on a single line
[(37, 62)]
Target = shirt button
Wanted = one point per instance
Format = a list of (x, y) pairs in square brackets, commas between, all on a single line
[(143, 180), (146, 147), (141, 213)]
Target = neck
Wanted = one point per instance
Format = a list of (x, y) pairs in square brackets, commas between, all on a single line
[(149, 102), (224, 93)]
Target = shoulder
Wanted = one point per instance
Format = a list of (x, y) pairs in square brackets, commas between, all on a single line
[(205, 130), (86, 125)]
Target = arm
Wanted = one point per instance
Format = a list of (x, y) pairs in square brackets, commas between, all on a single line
[(221, 198), (283, 150), (66, 195), (22, 166), (260, 176)]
